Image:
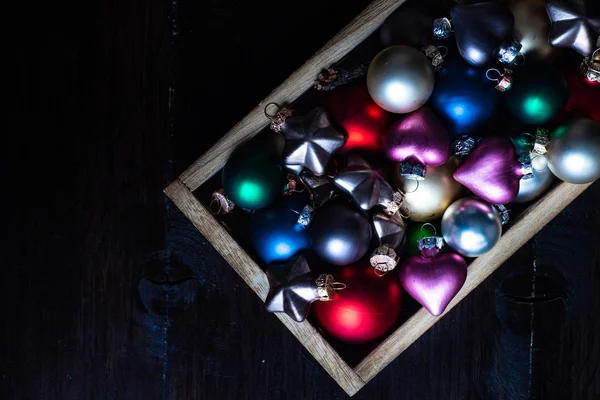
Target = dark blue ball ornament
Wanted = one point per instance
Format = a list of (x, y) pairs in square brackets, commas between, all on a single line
[(276, 234), (465, 99)]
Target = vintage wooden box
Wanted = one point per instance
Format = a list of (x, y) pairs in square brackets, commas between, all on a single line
[(180, 192)]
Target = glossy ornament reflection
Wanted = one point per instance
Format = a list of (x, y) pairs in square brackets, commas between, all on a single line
[(574, 151), (538, 94), (471, 226), (365, 310), (400, 79), (532, 188), (252, 179), (276, 233), (426, 200), (464, 99), (339, 234)]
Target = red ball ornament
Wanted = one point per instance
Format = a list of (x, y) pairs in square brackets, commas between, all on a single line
[(584, 95), (365, 310), (365, 122)]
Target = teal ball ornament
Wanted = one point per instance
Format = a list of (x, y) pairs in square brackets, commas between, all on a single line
[(253, 180), (538, 95)]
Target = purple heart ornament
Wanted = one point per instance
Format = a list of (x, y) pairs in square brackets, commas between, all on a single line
[(433, 281), (491, 170), (419, 137)]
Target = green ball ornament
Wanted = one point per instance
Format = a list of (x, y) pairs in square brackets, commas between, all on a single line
[(538, 94), (252, 179)]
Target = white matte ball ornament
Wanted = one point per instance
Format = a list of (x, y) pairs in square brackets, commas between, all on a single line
[(400, 79), (471, 226), (574, 151)]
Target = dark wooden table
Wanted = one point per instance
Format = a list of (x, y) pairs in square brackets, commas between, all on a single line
[(109, 293)]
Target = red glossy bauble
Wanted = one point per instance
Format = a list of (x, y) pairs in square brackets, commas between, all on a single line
[(584, 95), (366, 310), (352, 107)]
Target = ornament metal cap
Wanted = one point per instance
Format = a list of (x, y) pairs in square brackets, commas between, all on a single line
[(503, 212), (327, 286), (435, 55), (526, 166), (462, 147), (590, 67), (503, 80), (442, 28), (394, 205), (383, 259), (220, 200), (412, 171), (278, 118), (540, 141), (509, 51), (429, 246), (305, 216)]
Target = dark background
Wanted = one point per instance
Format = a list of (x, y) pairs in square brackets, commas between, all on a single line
[(109, 293)]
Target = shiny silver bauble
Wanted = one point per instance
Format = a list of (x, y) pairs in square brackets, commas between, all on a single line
[(471, 226), (574, 151), (400, 79)]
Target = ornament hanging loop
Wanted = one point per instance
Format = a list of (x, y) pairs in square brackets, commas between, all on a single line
[(279, 117), (222, 203), (428, 224), (503, 79)]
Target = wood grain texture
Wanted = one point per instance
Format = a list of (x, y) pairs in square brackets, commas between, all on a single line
[(301, 80), (534, 218), (256, 279)]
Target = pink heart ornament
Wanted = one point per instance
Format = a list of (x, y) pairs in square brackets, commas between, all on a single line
[(420, 136), (491, 170), (433, 281)]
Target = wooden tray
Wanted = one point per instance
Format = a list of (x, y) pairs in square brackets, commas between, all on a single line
[(180, 192)]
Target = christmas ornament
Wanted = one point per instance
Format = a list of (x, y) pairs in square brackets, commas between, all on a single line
[(276, 233), (253, 180), (431, 278), (400, 79), (310, 141), (480, 29), (293, 287), (538, 94), (574, 24), (366, 310), (590, 66), (365, 122), (531, 29), (471, 226), (417, 232), (574, 151), (464, 99), (364, 185), (417, 141), (333, 77), (531, 189), (339, 234), (427, 199), (492, 170), (408, 26), (583, 97), (503, 79), (321, 188), (390, 232)]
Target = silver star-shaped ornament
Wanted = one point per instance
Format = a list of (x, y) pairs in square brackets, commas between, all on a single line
[(366, 186), (310, 141), (292, 288), (390, 230), (572, 25)]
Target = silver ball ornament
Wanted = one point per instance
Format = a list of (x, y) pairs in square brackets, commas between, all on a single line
[(532, 188), (574, 151), (471, 226), (339, 234), (400, 79)]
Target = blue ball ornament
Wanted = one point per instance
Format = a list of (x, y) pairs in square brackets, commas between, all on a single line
[(465, 99), (276, 234)]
